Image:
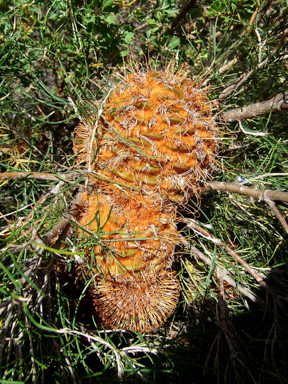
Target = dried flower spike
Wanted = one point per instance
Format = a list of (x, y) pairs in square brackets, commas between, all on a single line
[(131, 256), (134, 234), (138, 303), (156, 134)]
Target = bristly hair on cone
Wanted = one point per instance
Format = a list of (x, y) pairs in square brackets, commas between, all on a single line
[(156, 133), (134, 234), (140, 303), (131, 259)]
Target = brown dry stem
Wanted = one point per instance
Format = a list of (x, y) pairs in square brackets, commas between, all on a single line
[(255, 16), (276, 104), (187, 7), (245, 76), (282, 174), (38, 175), (278, 214), (260, 194)]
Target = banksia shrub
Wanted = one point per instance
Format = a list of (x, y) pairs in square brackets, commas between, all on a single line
[(132, 253), (156, 133)]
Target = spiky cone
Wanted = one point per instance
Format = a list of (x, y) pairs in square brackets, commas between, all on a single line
[(141, 302), (156, 133), (133, 243)]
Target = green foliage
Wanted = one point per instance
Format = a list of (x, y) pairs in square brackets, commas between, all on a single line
[(57, 54)]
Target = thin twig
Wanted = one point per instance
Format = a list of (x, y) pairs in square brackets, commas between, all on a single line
[(70, 369), (32, 355), (245, 76), (28, 175), (60, 226), (39, 175), (94, 130), (67, 331), (258, 194), (252, 20), (262, 195), (278, 214), (217, 339), (262, 177), (182, 14), (226, 325), (5, 327), (276, 104)]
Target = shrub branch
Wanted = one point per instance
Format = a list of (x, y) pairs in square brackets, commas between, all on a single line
[(38, 175), (261, 195), (276, 104), (182, 14)]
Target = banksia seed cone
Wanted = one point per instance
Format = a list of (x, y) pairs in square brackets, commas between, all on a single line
[(156, 133), (134, 235), (141, 302), (130, 260), (153, 132)]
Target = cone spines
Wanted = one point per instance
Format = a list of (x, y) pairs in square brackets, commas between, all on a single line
[(135, 235), (155, 134), (140, 303), (131, 258), (157, 131)]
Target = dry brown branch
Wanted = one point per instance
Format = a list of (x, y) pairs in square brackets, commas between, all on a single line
[(280, 42), (38, 175), (182, 14), (224, 274), (229, 332), (4, 328), (277, 103), (263, 10), (262, 195), (253, 18), (34, 263), (216, 340), (28, 175), (61, 225), (263, 176), (56, 231), (226, 66), (54, 191), (277, 213), (259, 194), (226, 325)]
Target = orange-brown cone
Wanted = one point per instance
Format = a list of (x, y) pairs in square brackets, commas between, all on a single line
[(156, 134), (139, 303), (131, 247)]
